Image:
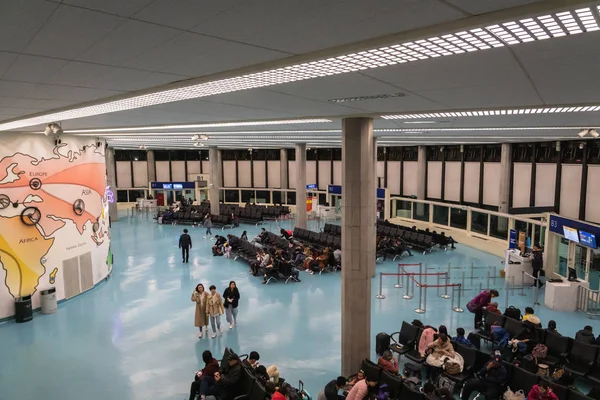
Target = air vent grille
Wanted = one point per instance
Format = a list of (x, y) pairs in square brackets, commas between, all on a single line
[(366, 98)]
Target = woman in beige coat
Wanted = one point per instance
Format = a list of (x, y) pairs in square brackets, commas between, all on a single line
[(214, 310), (200, 297)]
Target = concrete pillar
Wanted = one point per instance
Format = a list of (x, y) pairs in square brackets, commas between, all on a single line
[(505, 162), (151, 170), (214, 158), (111, 180), (301, 185), (358, 239), (284, 169), (421, 179)]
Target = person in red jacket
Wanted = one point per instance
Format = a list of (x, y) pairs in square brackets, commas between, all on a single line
[(388, 362), (280, 394), (541, 391), (205, 377)]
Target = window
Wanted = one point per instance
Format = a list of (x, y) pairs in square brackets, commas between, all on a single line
[(337, 154), (322, 198), (243, 155), (291, 198), (232, 196), (291, 153), (381, 153), (193, 155), (458, 218), (311, 155), (135, 194), (452, 153), (547, 153), (522, 152), (229, 155), (593, 149), (434, 153), (204, 155), (410, 153), (572, 154), (273, 154), (492, 153), (472, 153), (161, 155), (122, 196), (259, 154), (394, 153), (248, 196), (122, 155), (277, 197), (178, 155), (263, 196)]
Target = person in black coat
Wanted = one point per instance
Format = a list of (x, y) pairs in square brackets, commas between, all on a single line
[(185, 244), (537, 263), (227, 384), (231, 296)]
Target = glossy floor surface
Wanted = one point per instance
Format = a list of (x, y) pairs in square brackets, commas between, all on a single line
[(133, 337)]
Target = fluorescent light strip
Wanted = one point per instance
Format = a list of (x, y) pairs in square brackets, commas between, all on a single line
[(493, 36), (199, 126), (211, 134), (481, 113)]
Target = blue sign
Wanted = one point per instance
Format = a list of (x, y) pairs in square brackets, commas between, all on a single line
[(380, 193), (512, 243), (558, 223), (172, 185), (312, 186), (334, 189), (587, 239)]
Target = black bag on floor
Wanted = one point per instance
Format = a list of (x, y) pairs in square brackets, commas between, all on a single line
[(382, 343), (474, 339), (513, 312), (412, 371), (529, 363)]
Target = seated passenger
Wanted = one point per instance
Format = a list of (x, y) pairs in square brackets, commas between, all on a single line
[(499, 335), (361, 389), (261, 236), (217, 249), (552, 328), (439, 350), (287, 235), (281, 393), (388, 362), (541, 391), (268, 270), (331, 390), (244, 236), (586, 335), (227, 384), (433, 393), (525, 340), (489, 380), (204, 378), (359, 377), (461, 339), (531, 317)]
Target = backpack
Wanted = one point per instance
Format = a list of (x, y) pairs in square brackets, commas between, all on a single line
[(539, 351), (451, 367), (412, 370), (529, 363), (513, 312), (383, 392)]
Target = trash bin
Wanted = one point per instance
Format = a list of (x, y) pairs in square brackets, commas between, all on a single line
[(48, 300), (23, 310)]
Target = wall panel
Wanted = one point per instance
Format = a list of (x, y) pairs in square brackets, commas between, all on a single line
[(140, 174), (311, 172), (545, 185), (162, 171), (178, 171), (124, 174), (452, 184), (471, 183), (205, 167), (292, 174), (244, 177), (570, 190), (521, 184), (337, 173), (434, 179), (393, 177), (274, 172), (324, 174), (491, 183), (410, 178), (259, 174), (193, 167), (229, 174), (380, 173), (592, 208)]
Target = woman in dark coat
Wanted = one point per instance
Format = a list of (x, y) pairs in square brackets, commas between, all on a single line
[(231, 296)]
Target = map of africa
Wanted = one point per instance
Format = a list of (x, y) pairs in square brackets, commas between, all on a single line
[(38, 197)]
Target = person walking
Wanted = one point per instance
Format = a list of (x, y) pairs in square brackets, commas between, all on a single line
[(207, 223), (214, 310), (200, 297), (232, 298), (185, 244)]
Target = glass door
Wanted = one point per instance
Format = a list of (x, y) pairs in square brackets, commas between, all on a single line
[(595, 270), (579, 260)]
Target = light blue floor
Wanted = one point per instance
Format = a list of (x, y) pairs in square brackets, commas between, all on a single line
[(133, 337)]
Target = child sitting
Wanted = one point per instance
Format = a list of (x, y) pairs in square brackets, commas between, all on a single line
[(531, 317), (461, 339)]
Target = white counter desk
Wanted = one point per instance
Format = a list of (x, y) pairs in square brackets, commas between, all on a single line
[(514, 265), (562, 296)]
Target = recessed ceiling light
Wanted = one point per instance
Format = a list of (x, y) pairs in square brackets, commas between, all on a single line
[(508, 33), (494, 112), (365, 98), (422, 122)]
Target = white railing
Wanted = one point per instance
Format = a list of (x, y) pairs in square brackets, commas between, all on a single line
[(588, 301)]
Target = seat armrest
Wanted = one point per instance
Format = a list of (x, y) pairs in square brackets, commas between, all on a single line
[(392, 336)]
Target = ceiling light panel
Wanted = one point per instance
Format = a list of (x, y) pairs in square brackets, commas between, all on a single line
[(498, 35), (483, 113)]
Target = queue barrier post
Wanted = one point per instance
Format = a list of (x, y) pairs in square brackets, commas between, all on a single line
[(472, 273), (487, 280), (512, 283), (445, 295), (406, 294), (380, 295), (522, 283), (494, 274), (398, 285), (506, 288), (458, 308), (421, 309)]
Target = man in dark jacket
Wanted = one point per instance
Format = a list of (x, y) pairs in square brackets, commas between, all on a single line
[(488, 381), (332, 388), (537, 263), (227, 383), (586, 335), (185, 244)]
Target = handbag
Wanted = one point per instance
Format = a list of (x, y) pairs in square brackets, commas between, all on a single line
[(510, 395), (445, 382)]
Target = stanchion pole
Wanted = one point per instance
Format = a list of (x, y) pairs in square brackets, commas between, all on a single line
[(458, 308), (512, 283), (421, 308), (438, 285), (506, 297), (480, 286), (494, 274), (399, 284), (380, 295), (447, 279), (472, 273), (462, 282), (487, 280), (535, 295), (522, 284), (407, 295)]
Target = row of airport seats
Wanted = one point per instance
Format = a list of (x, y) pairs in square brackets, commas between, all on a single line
[(332, 229), (253, 211), (195, 218), (317, 239)]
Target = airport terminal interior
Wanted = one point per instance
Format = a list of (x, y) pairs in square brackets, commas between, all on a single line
[(399, 193)]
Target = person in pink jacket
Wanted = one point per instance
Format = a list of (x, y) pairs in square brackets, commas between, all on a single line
[(361, 389), (541, 391)]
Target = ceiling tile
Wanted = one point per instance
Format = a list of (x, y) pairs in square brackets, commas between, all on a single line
[(52, 92), (482, 7), (111, 78), (33, 68), (20, 20), (124, 8), (32, 103), (6, 60), (127, 41), (185, 14), (70, 31)]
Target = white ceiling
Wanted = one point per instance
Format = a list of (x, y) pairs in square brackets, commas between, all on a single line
[(56, 54)]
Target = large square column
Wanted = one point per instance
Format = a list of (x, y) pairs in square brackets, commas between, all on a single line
[(504, 189), (301, 185), (111, 179), (214, 158), (151, 168), (358, 239), (284, 182)]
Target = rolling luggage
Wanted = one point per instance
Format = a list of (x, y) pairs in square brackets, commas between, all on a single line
[(382, 342)]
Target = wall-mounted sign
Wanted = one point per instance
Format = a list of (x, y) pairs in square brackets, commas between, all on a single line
[(337, 189), (312, 186), (512, 243), (558, 224), (172, 185), (110, 196)]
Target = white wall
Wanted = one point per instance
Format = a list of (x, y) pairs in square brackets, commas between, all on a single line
[(491, 183), (434, 179), (260, 180), (205, 167), (274, 171), (162, 171), (178, 171), (471, 184), (545, 184), (337, 173), (311, 172), (380, 172), (124, 174), (393, 177), (324, 174), (229, 173), (292, 174), (592, 208), (452, 184), (521, 184), (410, 178), (570, 190), (140, 173), (244, 177), (193, 167)]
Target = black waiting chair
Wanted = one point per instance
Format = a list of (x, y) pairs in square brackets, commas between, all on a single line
[(490, 318), (594, 374), (245, 385), (513, 326), (394, 383), (258, 392), (405, 340), (575, 395), (372, 370), (521, 379), (469, 356), (414, 354), (558, 348), (410, 393), (581, 358)]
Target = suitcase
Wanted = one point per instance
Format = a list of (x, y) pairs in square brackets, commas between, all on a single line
[(304, 395), (382, 343), (513, 312)]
